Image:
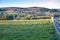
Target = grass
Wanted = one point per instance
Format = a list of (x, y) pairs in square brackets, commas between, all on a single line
[(27, 30)]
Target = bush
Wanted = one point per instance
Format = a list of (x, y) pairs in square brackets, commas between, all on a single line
[(10, 17)]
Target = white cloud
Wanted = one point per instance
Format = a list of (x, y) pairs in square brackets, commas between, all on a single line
[(50, 4), (44, 3)]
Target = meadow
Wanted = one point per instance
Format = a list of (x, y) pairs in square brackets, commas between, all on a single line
[(27, 30)]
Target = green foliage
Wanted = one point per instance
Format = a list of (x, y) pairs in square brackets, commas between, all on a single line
[(27, 30), (10, 17)]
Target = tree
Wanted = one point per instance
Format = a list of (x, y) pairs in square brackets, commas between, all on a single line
[(10, 17), (3, 16)]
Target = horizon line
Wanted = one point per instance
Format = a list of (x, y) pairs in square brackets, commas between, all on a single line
[(27, 7)]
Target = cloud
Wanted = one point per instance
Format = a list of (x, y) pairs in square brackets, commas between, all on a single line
[(43, 3), (49, 4)]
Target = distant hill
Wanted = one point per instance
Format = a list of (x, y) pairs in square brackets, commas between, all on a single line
[(29, 9), (27, 13)]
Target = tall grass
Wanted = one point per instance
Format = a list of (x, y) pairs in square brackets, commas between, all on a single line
[(27, 30)]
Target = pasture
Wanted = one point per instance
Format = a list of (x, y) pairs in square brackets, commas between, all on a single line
[(27, 30)]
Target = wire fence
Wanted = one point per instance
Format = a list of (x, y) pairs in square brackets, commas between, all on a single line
[(57, 26)]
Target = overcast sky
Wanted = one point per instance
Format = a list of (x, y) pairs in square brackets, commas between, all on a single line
[(30, 3)]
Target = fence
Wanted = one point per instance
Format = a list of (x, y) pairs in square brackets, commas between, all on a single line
[(57, 26)]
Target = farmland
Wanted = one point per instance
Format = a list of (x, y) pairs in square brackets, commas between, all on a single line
[(27, 30)]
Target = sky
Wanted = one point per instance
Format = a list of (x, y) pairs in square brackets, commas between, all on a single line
[(30, 3)]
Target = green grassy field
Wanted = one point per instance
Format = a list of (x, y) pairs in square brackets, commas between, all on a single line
[(27, 30)]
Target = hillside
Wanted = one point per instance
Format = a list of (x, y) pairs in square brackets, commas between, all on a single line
[(19, 12), (29, 9)]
